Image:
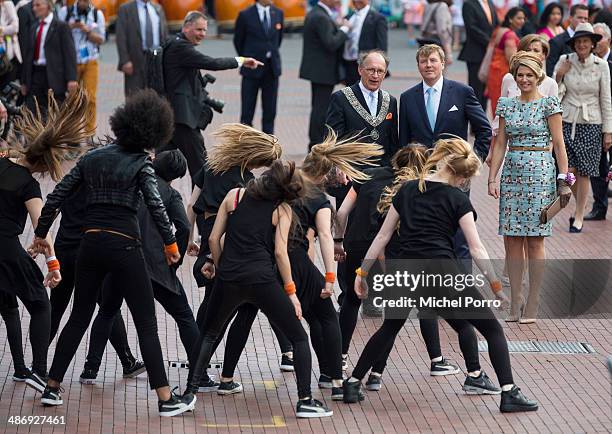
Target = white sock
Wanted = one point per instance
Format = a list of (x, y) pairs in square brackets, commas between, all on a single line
[(375, 374), (437, 359), (289, 354), (353, 380), (474, 374), (507, 387), (336, 383)]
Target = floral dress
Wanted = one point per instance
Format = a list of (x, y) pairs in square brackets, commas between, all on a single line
[(528, 181)]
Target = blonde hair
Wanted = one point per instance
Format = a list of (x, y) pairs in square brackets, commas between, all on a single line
[(47, 140), (346, 155), (528, 60), (428, 49), (407, 163), (244, 146), (456, 154), (526, 42)]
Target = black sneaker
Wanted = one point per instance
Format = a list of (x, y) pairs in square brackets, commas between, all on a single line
[(337, 394), (36, 382), (443, 368), (352, 392), (229, 388), (21, 375), (312, 408), (134, 370), (52, 396), (325, 382), (88, 376), (374, 383), (177, 404), (481, 385), (287, 364), (207, 384), (513, 401)]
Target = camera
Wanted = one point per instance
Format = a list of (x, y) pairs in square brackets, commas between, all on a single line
[(216, 104)]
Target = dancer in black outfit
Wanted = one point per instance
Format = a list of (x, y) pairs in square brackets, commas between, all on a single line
[(429, 212), (20, 196), (167, 288), (116, 176), (257, 224), (313, 289)]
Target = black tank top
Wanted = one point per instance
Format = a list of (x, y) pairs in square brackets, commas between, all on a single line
[(248, 253)]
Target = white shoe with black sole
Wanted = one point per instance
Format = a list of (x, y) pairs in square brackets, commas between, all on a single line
[(177, 404), (229, 388), (311, 408), (51, 396), (36, 382)]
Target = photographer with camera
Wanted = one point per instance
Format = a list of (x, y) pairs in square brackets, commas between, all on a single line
[(184, 87)]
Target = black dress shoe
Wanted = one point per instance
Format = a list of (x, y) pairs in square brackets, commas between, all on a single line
[(513, 401), (595, 216)]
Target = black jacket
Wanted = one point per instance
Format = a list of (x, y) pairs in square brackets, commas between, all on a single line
[(374, 33), (558, 47), (322, 48), (345, 121), (113, 176), (251, 40), (477, 30), (152, 243), (182, 64), (59, 53)]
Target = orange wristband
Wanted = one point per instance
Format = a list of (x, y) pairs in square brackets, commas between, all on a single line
[(171, 248), (361, 273), (330, 277), (496, 286), (290, 288), (53, 265)]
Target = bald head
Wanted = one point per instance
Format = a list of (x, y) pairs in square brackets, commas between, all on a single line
[(373, 69)]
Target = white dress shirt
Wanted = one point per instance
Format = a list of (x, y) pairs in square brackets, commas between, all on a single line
[(437, 94), (351, 46), (143, 22), (371, 98), (42, 60)]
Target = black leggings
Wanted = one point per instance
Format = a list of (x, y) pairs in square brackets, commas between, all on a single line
[(103, 254), (174, 304), (39, 311), (489, 327), (60, 298), (274, 303)]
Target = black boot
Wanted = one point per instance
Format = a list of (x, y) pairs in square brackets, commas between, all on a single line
[(514, 401)]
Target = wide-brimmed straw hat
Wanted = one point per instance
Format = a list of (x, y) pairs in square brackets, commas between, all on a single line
[(584, 30)]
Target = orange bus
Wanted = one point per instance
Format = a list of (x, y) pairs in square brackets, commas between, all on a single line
[(227, 11)]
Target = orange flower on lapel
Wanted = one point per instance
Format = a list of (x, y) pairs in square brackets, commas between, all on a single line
[(389, 116)]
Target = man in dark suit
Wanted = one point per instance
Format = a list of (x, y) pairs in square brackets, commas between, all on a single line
[(369, 31), (437, 107), (367, 109), (599, 184), (321, 57), (183, 84), (49, 61), (579, 13), (258, 33), (480, 20), (140, 25), (26, 17)]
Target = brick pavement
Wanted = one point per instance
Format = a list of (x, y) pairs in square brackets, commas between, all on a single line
[(573, 390)]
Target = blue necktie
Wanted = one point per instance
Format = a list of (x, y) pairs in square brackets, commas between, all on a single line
[(371, 104), (266, 22), (429, 107)]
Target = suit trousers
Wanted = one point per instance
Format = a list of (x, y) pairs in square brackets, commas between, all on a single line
[(599, 185), (320, 97), (268, 84), (38, 91), (135, 82), (476, 84), (87, 76), (191, 143)]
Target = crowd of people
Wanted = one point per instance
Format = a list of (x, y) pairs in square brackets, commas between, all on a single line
[(399, 176)]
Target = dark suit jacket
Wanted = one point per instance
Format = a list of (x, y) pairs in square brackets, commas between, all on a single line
[(477, 30), (251, 40), (182, 64), (152, 242), (59, 53), (26, 19), (374, 33), (414, 125), (558, 47), (345, 121), (322, 48)]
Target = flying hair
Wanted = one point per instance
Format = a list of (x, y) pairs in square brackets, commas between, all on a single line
[(346, 154), (47, 140), (244, 146)]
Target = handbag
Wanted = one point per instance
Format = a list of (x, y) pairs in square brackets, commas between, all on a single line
[(550, 210), (483, 71)]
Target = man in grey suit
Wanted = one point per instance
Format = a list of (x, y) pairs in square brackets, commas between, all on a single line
[(140, 25)]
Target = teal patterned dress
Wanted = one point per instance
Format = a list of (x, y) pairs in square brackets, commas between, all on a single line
[(528, 181)]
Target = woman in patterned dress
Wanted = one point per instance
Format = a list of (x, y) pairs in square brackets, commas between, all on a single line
[(527, 125)]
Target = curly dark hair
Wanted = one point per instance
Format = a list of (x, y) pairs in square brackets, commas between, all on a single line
[(145, 121)]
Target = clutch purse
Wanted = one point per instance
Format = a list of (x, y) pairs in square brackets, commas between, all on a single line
[(550, 210)]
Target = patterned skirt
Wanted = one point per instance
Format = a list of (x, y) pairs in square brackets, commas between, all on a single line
[(584, 150), (527, 185)]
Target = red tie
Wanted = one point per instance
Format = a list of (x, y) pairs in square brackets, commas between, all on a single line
[(38, 40)]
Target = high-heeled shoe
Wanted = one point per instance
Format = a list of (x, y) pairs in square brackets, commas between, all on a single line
[(572, 220), (517, 318), (574, 230)]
